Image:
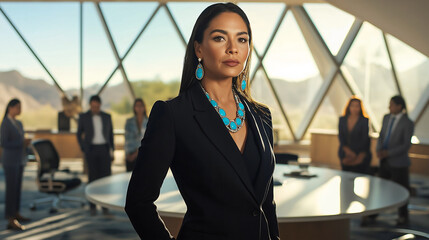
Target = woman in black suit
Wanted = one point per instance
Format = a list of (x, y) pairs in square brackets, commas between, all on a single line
[(14, 159), (353, 127), (214, 137)]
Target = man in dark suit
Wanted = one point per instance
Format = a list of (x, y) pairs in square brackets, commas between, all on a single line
[(393, 146), (95, 136)]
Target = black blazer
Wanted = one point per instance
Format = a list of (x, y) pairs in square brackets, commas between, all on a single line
[(187, 135), (85, 130), (357, 140)]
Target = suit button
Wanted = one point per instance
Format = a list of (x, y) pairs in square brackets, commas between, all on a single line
[(255, 213)]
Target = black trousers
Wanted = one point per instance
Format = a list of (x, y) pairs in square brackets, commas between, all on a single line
[(99, 163), (399, 175), (13, 175)]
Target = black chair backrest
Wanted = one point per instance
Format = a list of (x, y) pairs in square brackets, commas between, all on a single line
[(47, 156), (284, 158)]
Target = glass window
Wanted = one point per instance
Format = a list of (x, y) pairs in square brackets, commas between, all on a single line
[(159, 53), (152, 90), (117, 100), (412, 70), (421, 130), (186, 14), (331, 108), (22, 76), (292, 70), (332, 23), (98, 59), (43, 25), (262, 93), (263, 18), (126, 20), (367, 65)]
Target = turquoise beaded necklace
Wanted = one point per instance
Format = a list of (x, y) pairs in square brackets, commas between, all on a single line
[(233, 125)]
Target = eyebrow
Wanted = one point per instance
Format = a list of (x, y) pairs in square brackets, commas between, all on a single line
[(225, 32)]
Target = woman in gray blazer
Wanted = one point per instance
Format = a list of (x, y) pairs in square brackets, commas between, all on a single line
[(14, 159), (135, 128)]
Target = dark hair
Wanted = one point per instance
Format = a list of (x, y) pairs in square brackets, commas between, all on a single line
[(12, 103), (362, 112), (95, 98), (144, 105), (399, 100), (191, 61)]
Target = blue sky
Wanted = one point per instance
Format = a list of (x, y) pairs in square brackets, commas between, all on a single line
[(52, 29)]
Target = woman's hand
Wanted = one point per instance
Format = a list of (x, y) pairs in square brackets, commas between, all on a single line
[(348, 161), (349, 153), (354, 161)]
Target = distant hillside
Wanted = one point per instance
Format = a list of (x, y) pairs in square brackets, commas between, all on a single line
[(36, 88), (295, 96), (8, 92)]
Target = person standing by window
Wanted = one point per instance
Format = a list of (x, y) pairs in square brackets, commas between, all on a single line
[(14, 160), (95, 137), (393, 146), (135, 128), (353, 127)]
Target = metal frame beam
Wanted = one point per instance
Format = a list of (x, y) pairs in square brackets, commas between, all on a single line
[(176, 27), (261, 66), (34, 53), (131, 47), (114, 50), (81, 51), (312, 36), (395, 76)]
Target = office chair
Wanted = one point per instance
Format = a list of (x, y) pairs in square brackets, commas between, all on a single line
[(284, 158), (50, 179)]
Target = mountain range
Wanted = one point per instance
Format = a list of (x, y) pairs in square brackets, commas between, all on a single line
[(35, 93)]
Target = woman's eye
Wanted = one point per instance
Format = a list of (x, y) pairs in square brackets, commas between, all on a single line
[(218, 38), (242, 40)]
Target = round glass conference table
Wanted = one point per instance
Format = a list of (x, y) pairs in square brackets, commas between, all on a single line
[(308, 207)]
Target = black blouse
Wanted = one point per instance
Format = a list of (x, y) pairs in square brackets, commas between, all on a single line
[(251, 155)]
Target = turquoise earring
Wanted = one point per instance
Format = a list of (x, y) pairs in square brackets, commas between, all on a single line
[(199, 73), (243, 83)]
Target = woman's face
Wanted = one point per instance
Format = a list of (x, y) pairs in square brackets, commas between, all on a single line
[(139, 108), (15, 110), (225, 46), (354, 108)]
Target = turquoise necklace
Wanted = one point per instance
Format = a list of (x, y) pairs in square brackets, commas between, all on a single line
[(233, 125)]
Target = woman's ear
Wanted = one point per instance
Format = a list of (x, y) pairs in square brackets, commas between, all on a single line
[(198, 51)]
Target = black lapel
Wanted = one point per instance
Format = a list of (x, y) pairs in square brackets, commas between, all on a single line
[(212, 125), (91, 125), (266, 166)]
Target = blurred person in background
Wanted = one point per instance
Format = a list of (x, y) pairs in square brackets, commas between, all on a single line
[(393, 145), (135, 128), (14, 159), (95, 137), (353, 128)]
